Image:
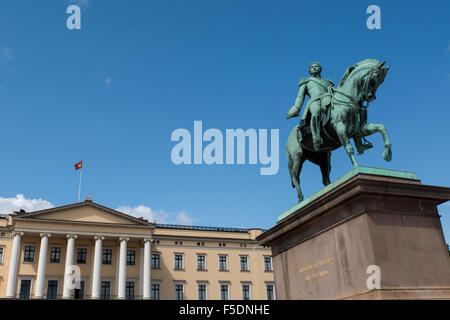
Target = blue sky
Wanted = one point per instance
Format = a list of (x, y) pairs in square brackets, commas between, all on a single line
[(111, 94)]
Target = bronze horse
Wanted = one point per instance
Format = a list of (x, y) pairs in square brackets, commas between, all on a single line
[(344, 118)]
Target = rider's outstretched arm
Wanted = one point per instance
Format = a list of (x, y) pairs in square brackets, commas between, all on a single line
[(294, 111)]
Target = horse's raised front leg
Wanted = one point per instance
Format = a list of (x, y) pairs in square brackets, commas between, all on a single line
[(371, 128), (341, 131)]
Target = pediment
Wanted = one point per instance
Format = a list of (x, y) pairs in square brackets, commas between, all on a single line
[(87, 212)]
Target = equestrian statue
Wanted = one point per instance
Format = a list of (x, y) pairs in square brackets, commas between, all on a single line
[(333, 116)]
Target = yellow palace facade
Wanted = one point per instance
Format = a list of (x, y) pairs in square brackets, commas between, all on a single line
[(87, 251)]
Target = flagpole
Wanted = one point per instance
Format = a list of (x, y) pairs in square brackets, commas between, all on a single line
[(79, 185)]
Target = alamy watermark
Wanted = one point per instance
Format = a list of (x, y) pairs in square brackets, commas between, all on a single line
[(374, 281), (374, 20), (74, 20), (213, 152), (73, 277)]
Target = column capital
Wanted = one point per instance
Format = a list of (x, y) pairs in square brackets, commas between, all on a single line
[(124, 239), (71, 236), (99, 238), (146, 239), (17, 233), (48, 235)]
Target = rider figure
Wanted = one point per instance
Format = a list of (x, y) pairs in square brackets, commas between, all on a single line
[(315, 87)]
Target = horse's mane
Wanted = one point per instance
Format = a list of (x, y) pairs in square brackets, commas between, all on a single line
[(356, 66)]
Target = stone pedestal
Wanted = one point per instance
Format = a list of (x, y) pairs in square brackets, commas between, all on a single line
[(328, 246)]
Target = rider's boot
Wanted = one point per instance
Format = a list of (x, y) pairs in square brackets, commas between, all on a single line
[(360, 146)]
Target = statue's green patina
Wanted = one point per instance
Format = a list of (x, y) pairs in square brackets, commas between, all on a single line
[(332, 116)]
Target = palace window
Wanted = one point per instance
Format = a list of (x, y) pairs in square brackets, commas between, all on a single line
[(201, 262), (179, 292), (202, 291), (1, 255), (270, 292), (156, 261), (55, 255), (224, 292), (129, 290), (78, 294), (105, 291), (244, 263), (81, 255), (179, 265), (25, 287), (52, 289), (245, 292), (223, 262), (267, 263), (28, 255), (107, 256), (131, 257), (155, 295)]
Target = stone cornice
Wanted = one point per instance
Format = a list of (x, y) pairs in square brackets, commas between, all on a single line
[(83, 233), (83, 223)]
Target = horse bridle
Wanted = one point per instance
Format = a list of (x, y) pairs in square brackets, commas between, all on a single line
[(363, 91)]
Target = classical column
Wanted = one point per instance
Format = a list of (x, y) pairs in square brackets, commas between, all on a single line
[(122, 267), (67, 288), (146, 277), (40, 279), (96, 272), (12, 275)]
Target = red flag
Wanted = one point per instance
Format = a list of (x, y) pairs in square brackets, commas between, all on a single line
[(78, 165)]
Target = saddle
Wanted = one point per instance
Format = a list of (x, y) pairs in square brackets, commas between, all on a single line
[(325, 112)]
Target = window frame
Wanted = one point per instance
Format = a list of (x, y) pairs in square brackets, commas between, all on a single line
[(110, 257), (50, 255), (82, 292), (152, 296), (176, 284), (226, 262), (175, 261), (30, 292), (26, 253), (249, 285), (102, 297), (272, 284), (205, 268), (57, 288), (271, 264), (202, 283), (126, 289), (131, 258), (85, 255), (153, 265), (247, 263), (227, 285)]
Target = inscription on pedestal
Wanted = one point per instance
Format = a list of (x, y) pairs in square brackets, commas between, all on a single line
[(312, 267)]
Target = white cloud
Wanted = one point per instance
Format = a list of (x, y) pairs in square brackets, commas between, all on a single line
[(6, 54), (107, 82), (159, 215), (9, 205), (183, 218)]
